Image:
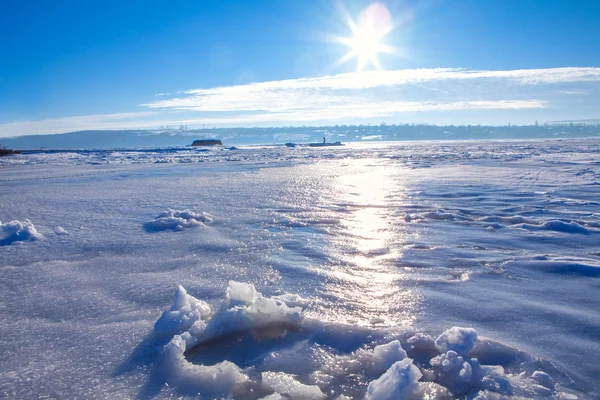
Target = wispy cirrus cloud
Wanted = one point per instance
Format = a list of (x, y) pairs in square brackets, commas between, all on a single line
[(375, 93), (374, 79), (374, 110), (582, 92)]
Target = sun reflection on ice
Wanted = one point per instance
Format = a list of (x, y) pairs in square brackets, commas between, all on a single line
[(365, 279)]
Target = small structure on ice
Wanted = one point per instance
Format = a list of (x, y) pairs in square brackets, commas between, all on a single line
[(5, 152), (207, 142), (325, 144)]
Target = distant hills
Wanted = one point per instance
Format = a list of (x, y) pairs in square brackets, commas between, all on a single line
[(105, 139)]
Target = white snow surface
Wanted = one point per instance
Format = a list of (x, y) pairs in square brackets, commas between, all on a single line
[(389, 270)]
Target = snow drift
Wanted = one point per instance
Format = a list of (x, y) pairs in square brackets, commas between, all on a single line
[(15, 231), (177, 220)]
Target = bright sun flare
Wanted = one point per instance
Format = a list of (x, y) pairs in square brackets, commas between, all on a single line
[(373, 25)]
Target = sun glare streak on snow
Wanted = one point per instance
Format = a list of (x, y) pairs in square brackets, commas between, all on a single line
[(368, 248)]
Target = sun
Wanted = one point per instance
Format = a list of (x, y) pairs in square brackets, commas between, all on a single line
[(373, 25), (365, 46)]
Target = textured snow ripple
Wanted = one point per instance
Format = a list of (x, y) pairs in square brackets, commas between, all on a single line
[(512, 220), (583, 227), (558, 226)]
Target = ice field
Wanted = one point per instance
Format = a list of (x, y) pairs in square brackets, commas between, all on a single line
[(380, 271)]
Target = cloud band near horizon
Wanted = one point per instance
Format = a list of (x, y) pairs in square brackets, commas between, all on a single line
[(385, 95)]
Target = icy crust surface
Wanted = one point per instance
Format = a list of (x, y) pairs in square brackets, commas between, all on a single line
[(17, 231), (437, 151), (177, 220), (308, 365), (501, 237)]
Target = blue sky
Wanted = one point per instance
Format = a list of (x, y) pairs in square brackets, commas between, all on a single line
[(71, 65)]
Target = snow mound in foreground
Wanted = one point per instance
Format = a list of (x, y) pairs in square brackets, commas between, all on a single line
[(366, 362), (177, 220), (460, 340), (183, 314), (401, 381), (15, 231), (192, 322), (292, 356)]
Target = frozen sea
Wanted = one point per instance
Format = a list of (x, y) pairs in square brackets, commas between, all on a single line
[(378, 271)]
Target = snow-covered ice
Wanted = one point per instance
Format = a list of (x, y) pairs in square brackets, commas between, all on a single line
[(390, 270), (15, 231)]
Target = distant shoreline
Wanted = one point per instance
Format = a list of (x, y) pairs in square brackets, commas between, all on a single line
[(152, 149)]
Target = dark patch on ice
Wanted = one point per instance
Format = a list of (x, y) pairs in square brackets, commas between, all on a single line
[(246, 349)]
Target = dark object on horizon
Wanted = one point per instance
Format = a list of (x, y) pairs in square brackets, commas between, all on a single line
[(207, 142), (5, 152), (324, 144), (290, 144)]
